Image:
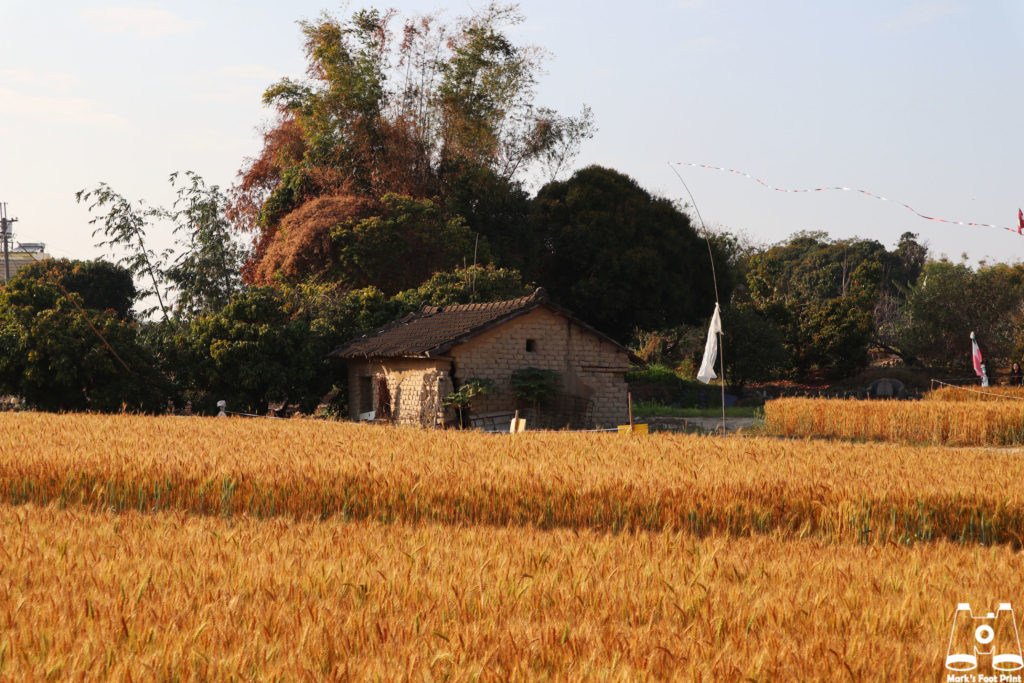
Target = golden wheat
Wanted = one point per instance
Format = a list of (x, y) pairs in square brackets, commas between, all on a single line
[(976, 393), (316, 470), (952, 423), (171, 596)]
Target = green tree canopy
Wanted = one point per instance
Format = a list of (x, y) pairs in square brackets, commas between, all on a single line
[(497, 209), (75, 348), (811, 267), (620, 258), (832, 298), (101, 285), (251, 353), (951, 300), (474, 284), (755, 344), (268, 345)]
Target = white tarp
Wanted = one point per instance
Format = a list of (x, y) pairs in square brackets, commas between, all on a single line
[(707, 366)]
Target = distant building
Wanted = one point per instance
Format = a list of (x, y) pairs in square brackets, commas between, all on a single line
[(20, 256), (405, 369)]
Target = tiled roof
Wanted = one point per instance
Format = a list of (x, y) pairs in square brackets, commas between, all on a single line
[(432, 330)]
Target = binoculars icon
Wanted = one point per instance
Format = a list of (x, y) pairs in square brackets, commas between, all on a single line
[(994, 635)]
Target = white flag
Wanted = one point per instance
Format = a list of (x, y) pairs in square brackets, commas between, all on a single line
[(707, 366)]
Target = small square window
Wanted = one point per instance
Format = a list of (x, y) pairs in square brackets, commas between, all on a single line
[(531, 345)]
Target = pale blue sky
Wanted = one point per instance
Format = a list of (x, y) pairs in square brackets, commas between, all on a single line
[(918, 101)]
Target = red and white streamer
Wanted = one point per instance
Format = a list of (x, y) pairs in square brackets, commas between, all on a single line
[(908, 207)]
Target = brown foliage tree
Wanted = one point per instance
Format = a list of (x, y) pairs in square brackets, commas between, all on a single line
[(379, 116), (301, 248), (393, 244)]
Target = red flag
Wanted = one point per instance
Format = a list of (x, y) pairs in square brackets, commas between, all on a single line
[(976, 355), (1020, 222)]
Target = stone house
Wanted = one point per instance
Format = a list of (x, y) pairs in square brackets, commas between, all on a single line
[(404, 370)]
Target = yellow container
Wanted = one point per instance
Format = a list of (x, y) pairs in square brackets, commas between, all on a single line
[(636, 429)]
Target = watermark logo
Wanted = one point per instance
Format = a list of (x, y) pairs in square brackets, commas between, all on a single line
[(988, 639)]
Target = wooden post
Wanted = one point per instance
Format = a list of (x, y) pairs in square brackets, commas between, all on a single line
[(629, 401)]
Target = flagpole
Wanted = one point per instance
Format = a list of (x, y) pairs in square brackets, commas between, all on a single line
[(714, 279), (721, 360)]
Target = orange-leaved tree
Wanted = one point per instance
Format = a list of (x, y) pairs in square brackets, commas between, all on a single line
[(414, 112)]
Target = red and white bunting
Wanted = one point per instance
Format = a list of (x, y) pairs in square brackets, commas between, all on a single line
[(1020, 216)]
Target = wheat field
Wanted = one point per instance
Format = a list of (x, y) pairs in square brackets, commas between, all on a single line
[(304, 469), (173, 596), (946, 422), (975, 393), (202, 549)]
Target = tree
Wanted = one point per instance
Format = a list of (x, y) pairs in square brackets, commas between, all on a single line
[(378, 117), (534, 386), (754, 346), (620, 258), (462, 400), (835, 335), (335, 314), (269, 345), (101, 285), (826, 295), (123, 226), (206, 271), (393, 245), (474, 284), (951, 300), (250, 353), (911, 256), (498, 210), (811, 267), (733, 253), (69, 343)]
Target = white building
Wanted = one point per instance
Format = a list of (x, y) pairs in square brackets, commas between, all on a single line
[(20, 256)]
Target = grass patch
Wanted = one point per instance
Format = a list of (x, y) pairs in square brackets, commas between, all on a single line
[(655, 409)]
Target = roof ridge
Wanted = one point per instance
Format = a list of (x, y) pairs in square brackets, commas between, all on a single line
[(538, 295), (432, 330)]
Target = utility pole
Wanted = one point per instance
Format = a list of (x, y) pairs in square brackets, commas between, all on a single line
[(5, 226)]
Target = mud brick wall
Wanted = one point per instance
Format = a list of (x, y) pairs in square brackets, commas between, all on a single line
[(588, 367), (416, 386)]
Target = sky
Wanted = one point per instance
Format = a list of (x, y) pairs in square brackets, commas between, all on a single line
[(917, 101)]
